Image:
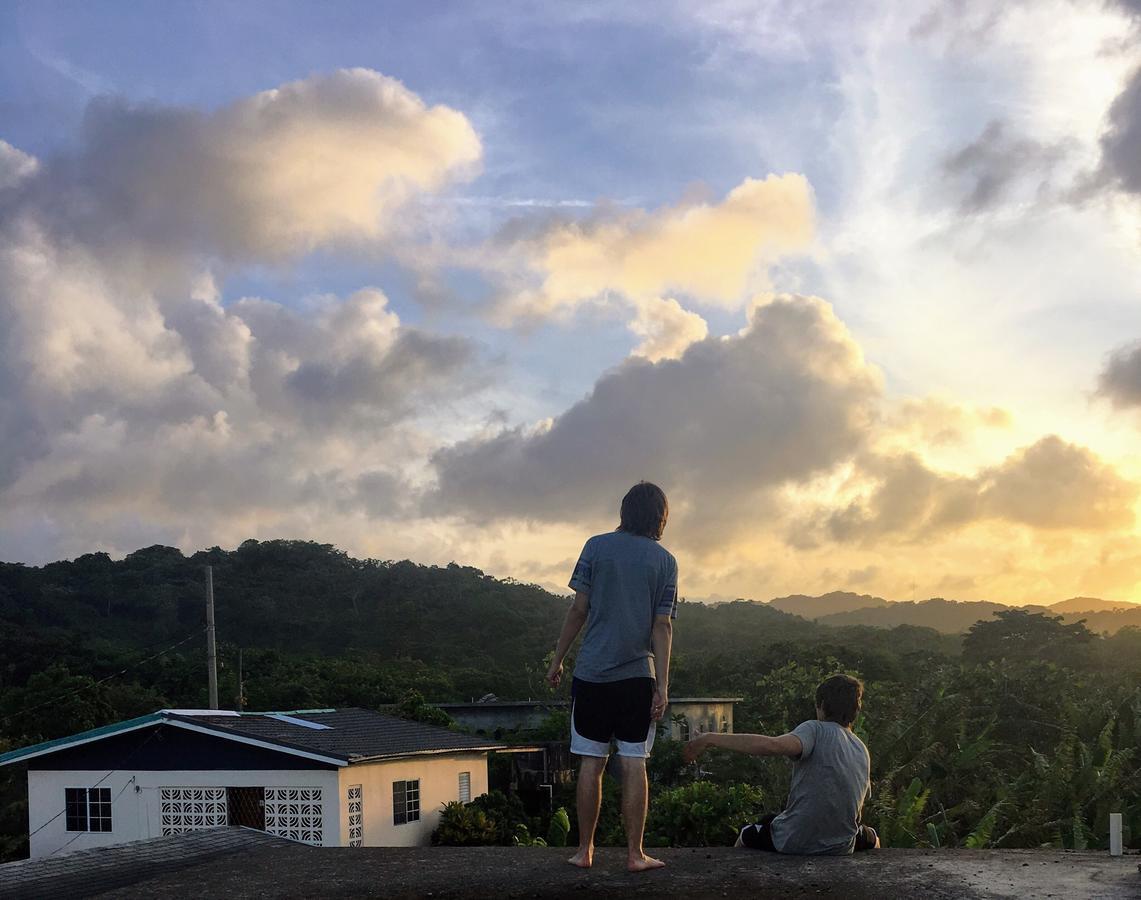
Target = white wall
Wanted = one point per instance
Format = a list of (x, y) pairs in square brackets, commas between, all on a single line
[(439, 784), (135, 812)]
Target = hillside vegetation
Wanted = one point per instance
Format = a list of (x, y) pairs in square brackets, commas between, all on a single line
[(1024, 731)]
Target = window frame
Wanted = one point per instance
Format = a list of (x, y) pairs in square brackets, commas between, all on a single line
[(405, 801), (94, 804), (464, 776)]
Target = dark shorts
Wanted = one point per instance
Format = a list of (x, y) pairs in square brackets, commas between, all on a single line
[(614, 710), (759, 836)]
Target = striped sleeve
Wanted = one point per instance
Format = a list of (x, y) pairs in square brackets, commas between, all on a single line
[(582, 576), (667, 595)]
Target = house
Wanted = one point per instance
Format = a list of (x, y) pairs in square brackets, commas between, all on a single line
[(686, 715), (689, 716), (328, 777)]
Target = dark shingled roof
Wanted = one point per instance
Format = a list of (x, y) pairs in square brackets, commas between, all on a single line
[(348, 736), (354, 735)]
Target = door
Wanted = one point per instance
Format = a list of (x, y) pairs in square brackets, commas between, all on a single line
[(246, 806)]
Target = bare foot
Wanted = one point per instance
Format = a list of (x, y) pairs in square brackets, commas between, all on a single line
[(643, 863), (584, 859)]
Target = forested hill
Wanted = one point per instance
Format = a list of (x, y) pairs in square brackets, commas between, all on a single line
[(956, 617), (316, 626), (290, 597), (1005, 728)]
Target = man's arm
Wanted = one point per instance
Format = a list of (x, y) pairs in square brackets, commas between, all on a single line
[(661, 642), (753, 744), (572, 625)]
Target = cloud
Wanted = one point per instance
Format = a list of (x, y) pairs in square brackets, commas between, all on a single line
[(708, 251), (326, 159), (132, 398), (1120, 380), (993, 166), (15, 165), (666, 329), (732, 418), (1121, 161), (1049, 485), (936, 421)]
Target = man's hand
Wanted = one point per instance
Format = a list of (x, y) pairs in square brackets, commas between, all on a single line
[(555, 674), (693, 749), (658, 704)]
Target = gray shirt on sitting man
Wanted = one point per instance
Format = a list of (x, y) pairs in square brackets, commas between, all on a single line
[(830, 781)]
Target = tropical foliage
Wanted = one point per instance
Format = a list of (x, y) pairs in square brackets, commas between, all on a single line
[(1022, 733)]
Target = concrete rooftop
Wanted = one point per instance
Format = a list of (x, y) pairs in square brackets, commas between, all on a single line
[(239, 863)]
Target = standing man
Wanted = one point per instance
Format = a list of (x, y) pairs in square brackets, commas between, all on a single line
[(625, 586)]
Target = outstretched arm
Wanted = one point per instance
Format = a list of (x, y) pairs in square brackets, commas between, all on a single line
[(753, 744), (572, 625)]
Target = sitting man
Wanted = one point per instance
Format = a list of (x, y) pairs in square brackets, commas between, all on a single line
[(830, 777)]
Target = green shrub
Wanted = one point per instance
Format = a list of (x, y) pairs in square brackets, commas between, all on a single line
[(464, 826), (559, 828), (701, 814)]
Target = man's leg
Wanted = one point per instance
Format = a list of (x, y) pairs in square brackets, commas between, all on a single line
[(589, 795), (635, 791), (866, 839), (757, 836)]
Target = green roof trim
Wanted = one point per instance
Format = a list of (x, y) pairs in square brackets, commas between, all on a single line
[(14, 756)]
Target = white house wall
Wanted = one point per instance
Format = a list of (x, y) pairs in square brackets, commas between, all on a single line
[(135, 807), (439, 784)]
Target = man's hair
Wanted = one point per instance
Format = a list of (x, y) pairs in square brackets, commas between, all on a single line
[(840, 697), (645, 510)]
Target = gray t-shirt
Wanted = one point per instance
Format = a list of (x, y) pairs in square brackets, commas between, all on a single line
[(630, 579), (830, 781)]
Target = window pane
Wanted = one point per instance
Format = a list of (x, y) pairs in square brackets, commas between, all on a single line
[(76, 806), (399, 803), (465, 787), (412, 795)]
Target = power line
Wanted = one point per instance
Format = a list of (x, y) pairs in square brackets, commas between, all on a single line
[(95, 684), (118, 768)]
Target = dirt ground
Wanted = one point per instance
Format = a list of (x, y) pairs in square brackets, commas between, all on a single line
[(505, 872)]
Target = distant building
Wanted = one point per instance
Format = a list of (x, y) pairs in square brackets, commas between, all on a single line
[(328, 777), (687, 716)]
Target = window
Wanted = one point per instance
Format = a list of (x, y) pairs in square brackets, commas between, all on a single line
[(465, 787), (683, 728), (405, 802), (356, 816), (88, 809)]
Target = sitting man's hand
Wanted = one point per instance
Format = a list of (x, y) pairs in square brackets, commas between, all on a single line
[(694, 748), (555, 674)]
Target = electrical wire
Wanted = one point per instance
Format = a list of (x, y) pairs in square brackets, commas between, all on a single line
[(95, 684)]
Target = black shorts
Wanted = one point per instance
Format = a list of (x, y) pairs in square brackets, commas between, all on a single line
[(759, 836), (613, 710)]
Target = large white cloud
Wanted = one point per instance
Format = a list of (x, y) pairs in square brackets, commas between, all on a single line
[(1050, 485), (714, 253), (731, 419), (328, 158), (130, 394)]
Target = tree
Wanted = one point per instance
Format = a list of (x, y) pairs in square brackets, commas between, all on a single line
[(1016, 634)]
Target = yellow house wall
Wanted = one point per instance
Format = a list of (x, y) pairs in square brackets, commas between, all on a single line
[(439, 784), (699, 716)]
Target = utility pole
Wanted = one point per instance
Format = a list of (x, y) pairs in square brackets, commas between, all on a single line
[(211, 649), (241, 684)]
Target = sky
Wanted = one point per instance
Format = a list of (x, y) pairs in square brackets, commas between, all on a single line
[(859, 285)]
